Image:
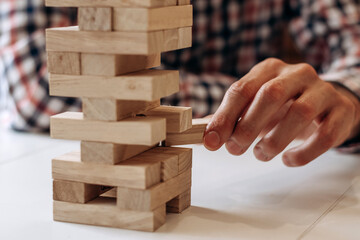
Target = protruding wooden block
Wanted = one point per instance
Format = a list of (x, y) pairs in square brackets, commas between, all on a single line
[(184, 154), (107, 109), (151, 19), (115, 64), (103, 212), (146, 200), (135, 131), (179, 203), (70, 39), (63, 63), (95, 18), (111, 3), (192, 136), (76, 192), (109, 153), (146, 85), (178, 119), (133, 173)]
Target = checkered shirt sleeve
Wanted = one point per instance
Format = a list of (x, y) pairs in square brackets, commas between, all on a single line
[(23, 61)]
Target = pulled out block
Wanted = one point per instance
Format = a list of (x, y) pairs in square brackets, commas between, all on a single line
[(192, 136), (109, 153), (151, 19), (135, 131), (63, 63), (112, 3), (133, 173), (149, 199), (70, 39), (103, 212), (107, 109), (95, 19), (76, 192), (178, 119), (179, 203), (114, 64), (146, 85)]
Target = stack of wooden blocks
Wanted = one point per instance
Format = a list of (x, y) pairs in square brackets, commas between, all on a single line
[(124, 175)]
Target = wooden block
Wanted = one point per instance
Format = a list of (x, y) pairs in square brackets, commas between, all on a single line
[(76, 192), (115, 64), (183, 2), (95, 18), (70, 39), (192, 136), (63, 63), (185, 36), (110, 3), (179, 203), (148, 199), (110, 193), (135, 131), (103, 212), (169, 163), (133, 173), (146, 85), (184, 155), (109, 153), (151, 19), (107, 109), (178, 119)]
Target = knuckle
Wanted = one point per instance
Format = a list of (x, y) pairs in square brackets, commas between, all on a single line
[(273, 62), (272, 145), (306, 69), (273, 91), (246, 130), (221, 122), (304, 110), (241, 89)]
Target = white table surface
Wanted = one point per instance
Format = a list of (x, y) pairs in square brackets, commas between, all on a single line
[(232, 197)]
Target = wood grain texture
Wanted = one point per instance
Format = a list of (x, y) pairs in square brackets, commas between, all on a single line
[(184, 155), (107, 109), (76, 192), (103, 212), (169, 163), (192, 136), (115, 64), (151, 19), (146, 85), (146, 131), (70, 39), (133, 173), (178, 119), (95, 18), (109, 153), (148, 199), (179, 203), (111, 3), (183, 2), (63, 63)]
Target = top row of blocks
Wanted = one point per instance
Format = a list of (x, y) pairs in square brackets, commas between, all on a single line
[(115, 3)]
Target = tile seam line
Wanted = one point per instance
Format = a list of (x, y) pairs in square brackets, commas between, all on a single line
[(324, 214)]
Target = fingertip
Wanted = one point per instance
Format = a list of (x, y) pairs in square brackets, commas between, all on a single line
[(212, 140)]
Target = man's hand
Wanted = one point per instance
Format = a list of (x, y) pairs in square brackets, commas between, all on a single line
[(283, 101)]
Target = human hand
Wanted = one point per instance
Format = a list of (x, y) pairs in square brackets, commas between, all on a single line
[(283, 101)]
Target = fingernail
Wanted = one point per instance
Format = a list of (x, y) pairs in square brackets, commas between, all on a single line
[(212, 140), (259, 153), (234, 148), (288, 162)]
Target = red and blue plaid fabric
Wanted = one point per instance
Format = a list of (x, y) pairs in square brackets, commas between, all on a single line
[(229, 37)]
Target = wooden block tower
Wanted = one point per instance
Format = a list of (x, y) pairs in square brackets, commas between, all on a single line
[(122, 177)]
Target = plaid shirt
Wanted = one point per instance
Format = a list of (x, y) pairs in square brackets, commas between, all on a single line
[(229, 37)]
